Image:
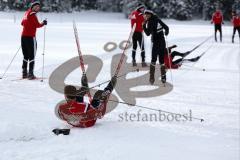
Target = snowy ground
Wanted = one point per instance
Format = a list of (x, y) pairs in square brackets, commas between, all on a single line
[(27, 107)]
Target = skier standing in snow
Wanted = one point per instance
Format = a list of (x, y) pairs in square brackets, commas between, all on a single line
[(81, 114), (30, 24), (154, 26), (138, 37), (217, 19), (236, 26)]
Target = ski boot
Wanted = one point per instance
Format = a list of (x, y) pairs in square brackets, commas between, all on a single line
[(31, 76), (134, 63), (24, 73), (152, 73), (144, 64), (163, 74)]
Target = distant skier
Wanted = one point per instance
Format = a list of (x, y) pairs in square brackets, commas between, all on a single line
[(78, 113), (28, 40), (217, 19), (168, 59), (154, 26), (138, 37), (236, 26)]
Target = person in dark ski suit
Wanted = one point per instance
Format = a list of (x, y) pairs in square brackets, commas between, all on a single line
[(138, 37), (81, 114), (28, 39), (154, 26), (217, 19)]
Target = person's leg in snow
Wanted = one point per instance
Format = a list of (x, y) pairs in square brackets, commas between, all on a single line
[(234, 31), (162, 47), (26, 51), (220, 30), (215, 32), (134, 41), (101, 96), (84, 89), (155, 52), (33, 48), (141, 44)]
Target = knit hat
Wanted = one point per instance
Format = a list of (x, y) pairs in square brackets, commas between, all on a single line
[(70, 91), (34, 3), (148, 12), (140, 6)]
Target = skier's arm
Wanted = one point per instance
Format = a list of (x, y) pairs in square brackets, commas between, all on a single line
[(35, 20), (149, 27), (165, 27)]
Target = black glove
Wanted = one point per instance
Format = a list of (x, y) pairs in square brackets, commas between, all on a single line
[(45, 22), (166, 32)]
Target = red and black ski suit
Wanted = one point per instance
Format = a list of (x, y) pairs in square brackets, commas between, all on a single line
[(137, 18), (217, 19), (30, 24), (80, 114), (236, 26)]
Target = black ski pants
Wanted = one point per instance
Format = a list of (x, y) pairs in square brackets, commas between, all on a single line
[(234, 31), (29, 48), (138, 39), (218, 27), (158, 48)]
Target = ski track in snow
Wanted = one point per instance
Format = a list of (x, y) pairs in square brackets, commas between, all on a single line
[(27, 107)]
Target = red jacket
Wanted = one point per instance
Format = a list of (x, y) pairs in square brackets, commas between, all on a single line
[(217, 18), (76, 115), (137, 17), (236, 21), (30, 24)]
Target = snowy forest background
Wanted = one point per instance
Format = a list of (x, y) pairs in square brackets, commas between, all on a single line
[(176, 9)]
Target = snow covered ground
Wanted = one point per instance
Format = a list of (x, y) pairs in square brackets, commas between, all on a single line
[(27, 107)]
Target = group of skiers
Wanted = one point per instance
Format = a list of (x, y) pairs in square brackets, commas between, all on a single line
[(217, 20), (74, 110)]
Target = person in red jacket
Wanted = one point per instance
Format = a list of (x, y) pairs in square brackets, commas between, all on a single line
[(175, 64), (217, 19), (236, 26), (138, 37), (28, 39), (81, 114)]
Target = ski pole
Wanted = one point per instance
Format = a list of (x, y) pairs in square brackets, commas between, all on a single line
[(169, 62), (159, 110), (10, 63), (43, 54)]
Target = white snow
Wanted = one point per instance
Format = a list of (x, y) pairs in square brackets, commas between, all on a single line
[(27, 107)]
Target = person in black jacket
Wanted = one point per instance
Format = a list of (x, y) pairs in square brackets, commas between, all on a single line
[(154, 26)]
